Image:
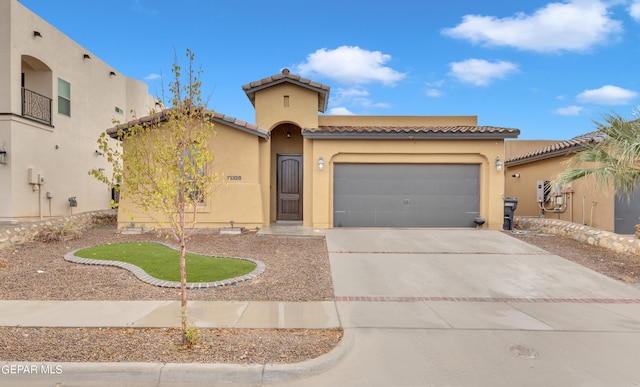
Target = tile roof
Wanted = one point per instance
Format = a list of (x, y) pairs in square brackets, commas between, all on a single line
[(322, 90), (217, 117), (410, 132), (560, 148)]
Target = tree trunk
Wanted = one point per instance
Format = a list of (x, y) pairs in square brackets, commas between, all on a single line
[(183, 278), (183, 285)]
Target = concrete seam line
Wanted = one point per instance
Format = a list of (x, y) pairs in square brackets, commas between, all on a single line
[(160, 374)]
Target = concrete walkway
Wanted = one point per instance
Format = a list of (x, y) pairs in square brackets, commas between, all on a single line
[(161, 314)]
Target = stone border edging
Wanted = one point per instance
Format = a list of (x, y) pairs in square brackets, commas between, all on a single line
[(145, 277), (593, 236)]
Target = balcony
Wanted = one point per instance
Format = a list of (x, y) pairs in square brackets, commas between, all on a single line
[(36, 106)]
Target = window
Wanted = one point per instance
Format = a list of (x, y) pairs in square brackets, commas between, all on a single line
[(119, 110), (64, 97), (192, 185)]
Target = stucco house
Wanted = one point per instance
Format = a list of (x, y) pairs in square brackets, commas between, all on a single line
[(56, 97), (296, 165), (532, 164)]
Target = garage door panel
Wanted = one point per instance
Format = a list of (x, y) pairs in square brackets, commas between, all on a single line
[(406, 195)]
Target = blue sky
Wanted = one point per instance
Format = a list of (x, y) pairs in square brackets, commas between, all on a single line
[(547, 68)]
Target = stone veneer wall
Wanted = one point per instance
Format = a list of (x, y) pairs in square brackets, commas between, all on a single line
[(593, 236), (22, 232)]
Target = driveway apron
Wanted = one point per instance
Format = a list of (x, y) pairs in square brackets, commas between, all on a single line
[(475, 308)]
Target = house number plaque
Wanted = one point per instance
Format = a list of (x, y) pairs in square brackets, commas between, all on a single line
[(234, 178)]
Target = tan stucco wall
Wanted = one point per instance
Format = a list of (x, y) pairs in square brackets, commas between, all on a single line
[(271, 110), (481, 152), (237, 155), (586, 204), (65, 150)]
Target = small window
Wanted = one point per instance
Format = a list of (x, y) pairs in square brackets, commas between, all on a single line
[(64, 97), (119, 111), (286, 101)]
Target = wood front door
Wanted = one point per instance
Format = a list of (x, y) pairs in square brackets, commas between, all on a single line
[(289, 180)]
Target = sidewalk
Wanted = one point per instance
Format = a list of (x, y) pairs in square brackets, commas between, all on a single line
[(204, 314), (161, 314)]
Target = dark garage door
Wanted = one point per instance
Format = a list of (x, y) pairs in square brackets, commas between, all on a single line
[(627, 212), (406, 195)]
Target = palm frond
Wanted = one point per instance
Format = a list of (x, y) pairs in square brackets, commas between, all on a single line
[(614, 159)]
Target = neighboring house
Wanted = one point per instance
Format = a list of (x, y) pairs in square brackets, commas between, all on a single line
[(583, 201), (296, 166), (56, 97)]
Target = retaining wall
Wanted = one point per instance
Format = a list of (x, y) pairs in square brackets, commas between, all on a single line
[(22, 232), (593, 236)]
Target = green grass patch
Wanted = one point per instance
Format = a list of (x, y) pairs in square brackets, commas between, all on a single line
[(162, 262)]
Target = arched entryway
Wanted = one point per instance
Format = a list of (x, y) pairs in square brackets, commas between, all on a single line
[(286, 173)]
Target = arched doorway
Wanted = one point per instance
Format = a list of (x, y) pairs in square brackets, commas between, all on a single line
[(286, 173)]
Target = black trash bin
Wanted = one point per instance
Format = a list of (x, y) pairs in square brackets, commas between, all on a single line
[(510, 205)]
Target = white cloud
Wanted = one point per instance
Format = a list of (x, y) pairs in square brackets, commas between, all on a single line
[(480, 72), (569, 111), (607, 95), (634, 10), (350, 65), (356, 96), (434, 93), (347, 95), (434, 89), (576, 25), (152, 77), (340, 111)]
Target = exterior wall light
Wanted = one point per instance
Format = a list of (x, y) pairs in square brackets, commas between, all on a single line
[(498, 164), (3, 156), (321, 163)]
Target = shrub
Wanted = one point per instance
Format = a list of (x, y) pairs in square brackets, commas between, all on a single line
[(59, 232)]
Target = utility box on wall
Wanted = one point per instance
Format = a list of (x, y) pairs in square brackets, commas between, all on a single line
[(35, 176), (543, 190)]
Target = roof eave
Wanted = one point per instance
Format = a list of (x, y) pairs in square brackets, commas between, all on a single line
[(322, 106), (408, 136), (544, 156), (258, 131)]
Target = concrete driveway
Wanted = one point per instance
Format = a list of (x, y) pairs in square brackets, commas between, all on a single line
[(475, 308), (457, 263)]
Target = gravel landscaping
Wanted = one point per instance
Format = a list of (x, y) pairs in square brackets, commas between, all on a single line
[(297, 269)]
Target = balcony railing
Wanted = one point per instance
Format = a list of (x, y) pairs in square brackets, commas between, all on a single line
[(36, 106)]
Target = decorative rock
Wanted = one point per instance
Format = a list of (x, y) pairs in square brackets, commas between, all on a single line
[(582, 233)]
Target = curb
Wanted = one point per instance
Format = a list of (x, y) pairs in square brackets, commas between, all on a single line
[(173, 373)]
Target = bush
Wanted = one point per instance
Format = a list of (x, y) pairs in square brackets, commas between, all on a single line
[(104, 219), (59, 232)]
